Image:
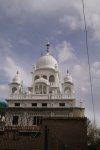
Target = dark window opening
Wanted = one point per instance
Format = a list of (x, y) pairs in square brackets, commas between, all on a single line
[(15, 120), (37, 120), (40, 120), (34, 120), (34, 104), (36, 77), (14, 89), (62, 104), (17, 104), (52, 78), (44, 76), (44, 104)]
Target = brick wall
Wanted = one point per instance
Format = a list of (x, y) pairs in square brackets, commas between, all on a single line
[(63, 134)]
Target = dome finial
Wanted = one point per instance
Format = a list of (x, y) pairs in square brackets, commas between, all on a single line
[(67, 71), (17, 72), (48, 46)]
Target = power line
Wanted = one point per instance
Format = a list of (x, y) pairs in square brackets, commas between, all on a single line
[(88, 57)]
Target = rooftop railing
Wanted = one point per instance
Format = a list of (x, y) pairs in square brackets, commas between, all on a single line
[(39, 96)]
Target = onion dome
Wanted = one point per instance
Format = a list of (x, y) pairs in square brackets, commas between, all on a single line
[(17, 79), (46, 61), (42, 80), (68, 78)]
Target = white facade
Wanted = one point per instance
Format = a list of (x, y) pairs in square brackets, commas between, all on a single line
[(46, 90)]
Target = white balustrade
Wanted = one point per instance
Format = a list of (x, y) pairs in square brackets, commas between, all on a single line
[(39, 96)]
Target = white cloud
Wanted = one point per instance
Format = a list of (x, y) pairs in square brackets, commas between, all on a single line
[(17, 7), (3, 91), (25, 42), (65, 52), (10, 67), (81, 79), (69, 12), (92, 12), (95, 69), (5, 47), (79, 70), (74, 22), (96, 65)]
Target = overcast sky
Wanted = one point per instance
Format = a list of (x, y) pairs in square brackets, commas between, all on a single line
[(27, 25)]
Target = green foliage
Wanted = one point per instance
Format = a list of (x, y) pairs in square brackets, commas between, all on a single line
[(93, 136)]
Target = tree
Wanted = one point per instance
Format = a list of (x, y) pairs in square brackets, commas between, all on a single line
[(93, 136)]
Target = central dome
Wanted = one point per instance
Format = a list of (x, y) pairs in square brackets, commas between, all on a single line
[(46, 61)]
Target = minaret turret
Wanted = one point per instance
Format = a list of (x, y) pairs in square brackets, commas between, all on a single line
[(68, 85), (16, 84)]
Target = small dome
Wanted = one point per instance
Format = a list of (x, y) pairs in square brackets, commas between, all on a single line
[(68, 78), (46, 61), (42, 80), (17, 79)]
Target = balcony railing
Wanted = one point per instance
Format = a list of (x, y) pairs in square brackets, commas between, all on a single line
[(23, 128), (39, 96)]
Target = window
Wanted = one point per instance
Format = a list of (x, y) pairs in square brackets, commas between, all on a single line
[(44, 90), (36, 77), (37, 120), (34, 104), (44, 76), (34, 120), (15, 120), (62, 104), (36, 88), (17, 104), (14, 89), (40, 89), (52, 78), (67, 91), (44, 104)]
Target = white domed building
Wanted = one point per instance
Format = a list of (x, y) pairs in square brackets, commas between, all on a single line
[(45, 102), (46, 86)]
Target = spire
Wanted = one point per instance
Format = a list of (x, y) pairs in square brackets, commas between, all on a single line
[(67, 71), (48, 46), (17, 72)]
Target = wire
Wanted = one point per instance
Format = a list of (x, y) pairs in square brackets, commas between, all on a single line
[(88, 57)]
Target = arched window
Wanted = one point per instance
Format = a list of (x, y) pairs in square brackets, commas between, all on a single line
[(44, 76), (40, 89), (67, 91), (52, 78), (36, 77), (44, 90), (36, 89), (14, 89)]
